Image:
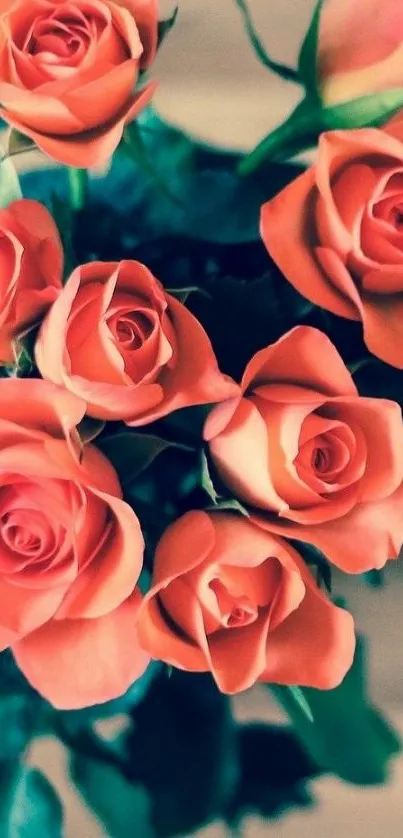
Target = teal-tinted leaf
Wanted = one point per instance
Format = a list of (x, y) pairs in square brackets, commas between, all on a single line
[(62, 212), (10, 189), (122, 807), (301, 702), (349, 736), (17, 719), (165, 25), (29, 805), (307, 62), (375, 578)]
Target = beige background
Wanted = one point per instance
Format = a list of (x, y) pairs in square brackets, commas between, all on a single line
[(213, 86)]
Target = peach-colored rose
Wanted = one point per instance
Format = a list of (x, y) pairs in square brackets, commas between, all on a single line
[(69, 72), (118, 340), (229, 597), (318, 462), (71, 552), (336, 233), (31, 265), (360, 48)]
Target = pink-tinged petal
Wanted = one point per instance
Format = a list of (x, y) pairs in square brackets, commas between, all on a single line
[(79, 663), (242, 457), (23, 609), (381, 421), (44, 235), (112, 575), (145, 14), (111, 401), (90, 148), (338, 275), (163, 642), (238, 656), (98, 101), (40, 405), (383, 327), (38, 112), (305, 356), (313, 647), (193, 377), (363, 539), (352, 190), (358, 34), (219, 418), (179, 551), (289, 235)]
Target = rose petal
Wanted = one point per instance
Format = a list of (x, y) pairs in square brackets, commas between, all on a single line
[(99, 658)]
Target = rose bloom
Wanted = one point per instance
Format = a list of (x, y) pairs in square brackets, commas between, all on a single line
[(318, 462), (31, 260), (118, 340), (360, 48), (71, 552), (336, 233), (229, 597), (69, 71)]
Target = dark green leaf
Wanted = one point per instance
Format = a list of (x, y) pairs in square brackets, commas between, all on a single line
[(17, 721), (307, 62), (29, 805), (63, 216), (375, 578), (132, 453), (274, 769), (165, 26), (349, 736), (287, 73), (183, 751), (207, 480)]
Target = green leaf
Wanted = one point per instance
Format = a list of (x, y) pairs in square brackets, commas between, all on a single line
[(123, 808), (78, 188), (10, 189), (300, 702), (29, 805), (207, 480), (287, 73), (373, 109), (307, 62), (132, 453), (349, 736)]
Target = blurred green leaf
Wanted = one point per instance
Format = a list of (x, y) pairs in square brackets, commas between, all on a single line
[(132, 453), (10, 189), (165, 25), (123, 808), (63, 216), (349, 736), (18, 714), (29, 805), (307, 62)]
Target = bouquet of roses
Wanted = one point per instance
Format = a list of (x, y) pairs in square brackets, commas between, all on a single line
[(196, 423)]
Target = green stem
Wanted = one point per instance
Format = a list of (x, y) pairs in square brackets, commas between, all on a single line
[(282, 70), (298, 133), (78, 188)]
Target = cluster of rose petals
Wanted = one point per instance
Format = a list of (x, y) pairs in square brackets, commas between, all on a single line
[(71, 552), (70, 71), (231, 598)]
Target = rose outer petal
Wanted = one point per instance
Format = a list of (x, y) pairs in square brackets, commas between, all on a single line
[(79, 663)]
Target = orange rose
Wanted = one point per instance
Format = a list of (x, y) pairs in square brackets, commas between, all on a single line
[(69, 71), (300, 443), (70, 552), (31, 259), (360, 48), (229, 597), (133, 352), (336, 234)]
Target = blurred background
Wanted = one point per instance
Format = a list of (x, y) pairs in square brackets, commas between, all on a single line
[(212, 85)]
